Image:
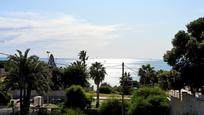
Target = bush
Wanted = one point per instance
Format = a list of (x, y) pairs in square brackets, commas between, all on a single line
[(76, 97), (90, 100), (116, 89), (72, 111), (43, 111), (149, 101), (56, 112), (105, 89), (112, 106), (4, 98)]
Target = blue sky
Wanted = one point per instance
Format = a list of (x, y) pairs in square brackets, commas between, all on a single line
[(105, 28)]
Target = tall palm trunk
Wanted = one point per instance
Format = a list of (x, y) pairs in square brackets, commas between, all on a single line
[(21, 101), (27, 101), (97, 100)]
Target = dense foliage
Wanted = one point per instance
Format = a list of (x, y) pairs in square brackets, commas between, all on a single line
[(126, 83), (97, 73), (27, 73), (112, 107), (187, 54), (76, 97), (57, 82), (147, 75), (75, 74), (149, 101), (105, 88), (72, 111), (4, 97), (170, 80)]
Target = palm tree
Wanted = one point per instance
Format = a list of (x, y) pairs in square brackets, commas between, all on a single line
[(147, 75), (27, 73), (97, 72), (83, 57), (76, 74)]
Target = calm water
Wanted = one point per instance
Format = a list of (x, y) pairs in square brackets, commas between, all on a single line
[(114, 66)]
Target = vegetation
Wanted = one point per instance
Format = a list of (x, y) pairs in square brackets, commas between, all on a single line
[(126, 83), (116, 89), (105, 88), (83, 57), (51, 61), (149, 101), (112, 107), (170, 80), (57, 82), (187, 55), (4, 64), (27, 73), (76, 73), (76, 97), (97, 72), (56, 73), (4, 98), (72, 111), (147, 75)]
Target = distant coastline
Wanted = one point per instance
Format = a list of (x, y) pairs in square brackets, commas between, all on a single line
[(113, 66)]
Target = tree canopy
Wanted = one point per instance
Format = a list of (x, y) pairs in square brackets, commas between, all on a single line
[(75, 74), (126, 83), (147, 75), (149, 101), (187, 54), (97, 73), (27, 73)]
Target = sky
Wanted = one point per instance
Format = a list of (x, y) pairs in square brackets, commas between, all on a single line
[(104, 28)]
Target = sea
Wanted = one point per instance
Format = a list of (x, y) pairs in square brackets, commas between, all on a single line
[(114, 66)]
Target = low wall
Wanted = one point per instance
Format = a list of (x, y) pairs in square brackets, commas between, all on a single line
[(187, 104)]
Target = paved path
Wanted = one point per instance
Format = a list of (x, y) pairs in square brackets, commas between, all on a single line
[(5, 111)]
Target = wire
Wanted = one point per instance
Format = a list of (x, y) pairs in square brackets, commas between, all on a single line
[(131, 69), (4, 54)]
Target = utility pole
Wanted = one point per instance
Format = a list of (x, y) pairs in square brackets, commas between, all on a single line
[(48, 56), (122, 88)]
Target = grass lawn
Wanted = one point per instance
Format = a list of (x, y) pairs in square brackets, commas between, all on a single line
[(104, 97)]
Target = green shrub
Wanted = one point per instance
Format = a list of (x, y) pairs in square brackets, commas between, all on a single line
[(149, 101), (116, 89), (72, 111), (112, 106), (4, 98), (43, 111), (76, 97), (90, 99), (105, 89), (56, 112)]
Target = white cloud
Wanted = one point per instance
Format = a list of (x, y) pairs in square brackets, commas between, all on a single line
[(63, 32)]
